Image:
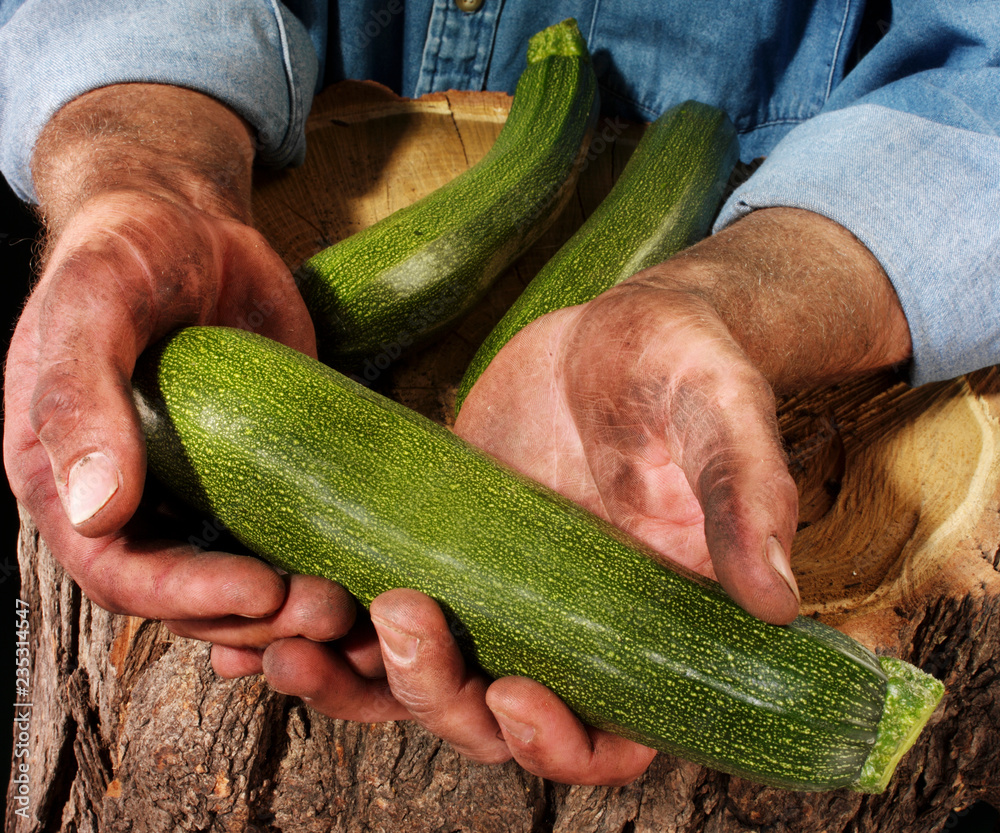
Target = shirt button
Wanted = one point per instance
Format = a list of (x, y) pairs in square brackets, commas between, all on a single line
[(469, 5)]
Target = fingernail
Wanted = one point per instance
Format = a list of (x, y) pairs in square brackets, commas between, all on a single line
[(401, 647), (776, 555), (92, 482), (522, 731)]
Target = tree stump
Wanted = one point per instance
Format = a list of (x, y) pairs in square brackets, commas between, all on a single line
[(899, 546)]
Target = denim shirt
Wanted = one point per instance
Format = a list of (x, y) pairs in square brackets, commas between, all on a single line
[(885, 119)]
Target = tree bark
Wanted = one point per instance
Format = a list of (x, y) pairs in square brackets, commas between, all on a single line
[(899, 546)]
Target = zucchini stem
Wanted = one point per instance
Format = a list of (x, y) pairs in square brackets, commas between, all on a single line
[(910, 699), (562, 39)]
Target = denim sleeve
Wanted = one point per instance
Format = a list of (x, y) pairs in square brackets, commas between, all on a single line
[(253, 55), (906, 155)]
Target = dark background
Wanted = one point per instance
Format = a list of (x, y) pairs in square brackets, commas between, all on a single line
[(18, 233)]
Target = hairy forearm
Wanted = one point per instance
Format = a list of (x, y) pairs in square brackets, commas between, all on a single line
[(801, 295), (166, 140)]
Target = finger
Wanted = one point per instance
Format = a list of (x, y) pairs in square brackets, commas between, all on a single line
[(159, 579), (428, 675), (737, 470), (547, 739), (162, 580), (360, 648), (91, 444), (750, 510), (320, 676), (83, 329), (314, 608), (260, 294), (230, 663)]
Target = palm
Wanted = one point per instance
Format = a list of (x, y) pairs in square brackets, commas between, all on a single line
[(527, 411)]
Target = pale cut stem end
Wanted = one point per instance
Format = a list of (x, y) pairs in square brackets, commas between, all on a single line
[(563, 39), (910, 699)]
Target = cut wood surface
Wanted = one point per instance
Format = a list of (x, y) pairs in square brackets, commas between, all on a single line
[(899, 546)]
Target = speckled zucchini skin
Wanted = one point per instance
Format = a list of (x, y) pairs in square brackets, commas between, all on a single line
[(415, 273), (320, 475), (664, 200)]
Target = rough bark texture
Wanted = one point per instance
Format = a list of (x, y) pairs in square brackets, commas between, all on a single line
[(900, 546)]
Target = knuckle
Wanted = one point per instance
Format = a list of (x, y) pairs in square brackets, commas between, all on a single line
[(420, 703), (59, 404), (320, 609), (31, 483), (104, 588)]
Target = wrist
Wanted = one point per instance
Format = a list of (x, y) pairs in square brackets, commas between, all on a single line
[(171, 142), (806, 301)]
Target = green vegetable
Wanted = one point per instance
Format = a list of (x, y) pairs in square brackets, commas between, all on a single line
[(664, 200), (415, 273), (320, 475)]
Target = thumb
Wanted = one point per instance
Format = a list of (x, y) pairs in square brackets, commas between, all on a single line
[(750, 509), (750, 504), (81, 408)]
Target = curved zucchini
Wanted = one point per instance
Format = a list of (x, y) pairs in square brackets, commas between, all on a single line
[(415, 273), (320, 475), (664, 200)]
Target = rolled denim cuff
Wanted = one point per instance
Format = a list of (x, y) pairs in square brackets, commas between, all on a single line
[(252, 55), (923, 198)]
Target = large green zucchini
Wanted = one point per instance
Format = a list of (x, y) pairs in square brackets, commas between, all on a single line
[(319, 475), (415, 273), (664, 200)]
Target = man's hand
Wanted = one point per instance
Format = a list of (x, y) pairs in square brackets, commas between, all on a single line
[(653, 407), (642, 408), (145, 195)]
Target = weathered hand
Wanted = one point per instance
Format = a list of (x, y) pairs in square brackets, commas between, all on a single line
[(652, 406), (409, 667), (143, 235), (642, 408)]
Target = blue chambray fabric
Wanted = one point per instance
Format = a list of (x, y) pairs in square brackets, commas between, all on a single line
[(769, 64), (906, 154), (898, 142), (256, 57), (924, 198)]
